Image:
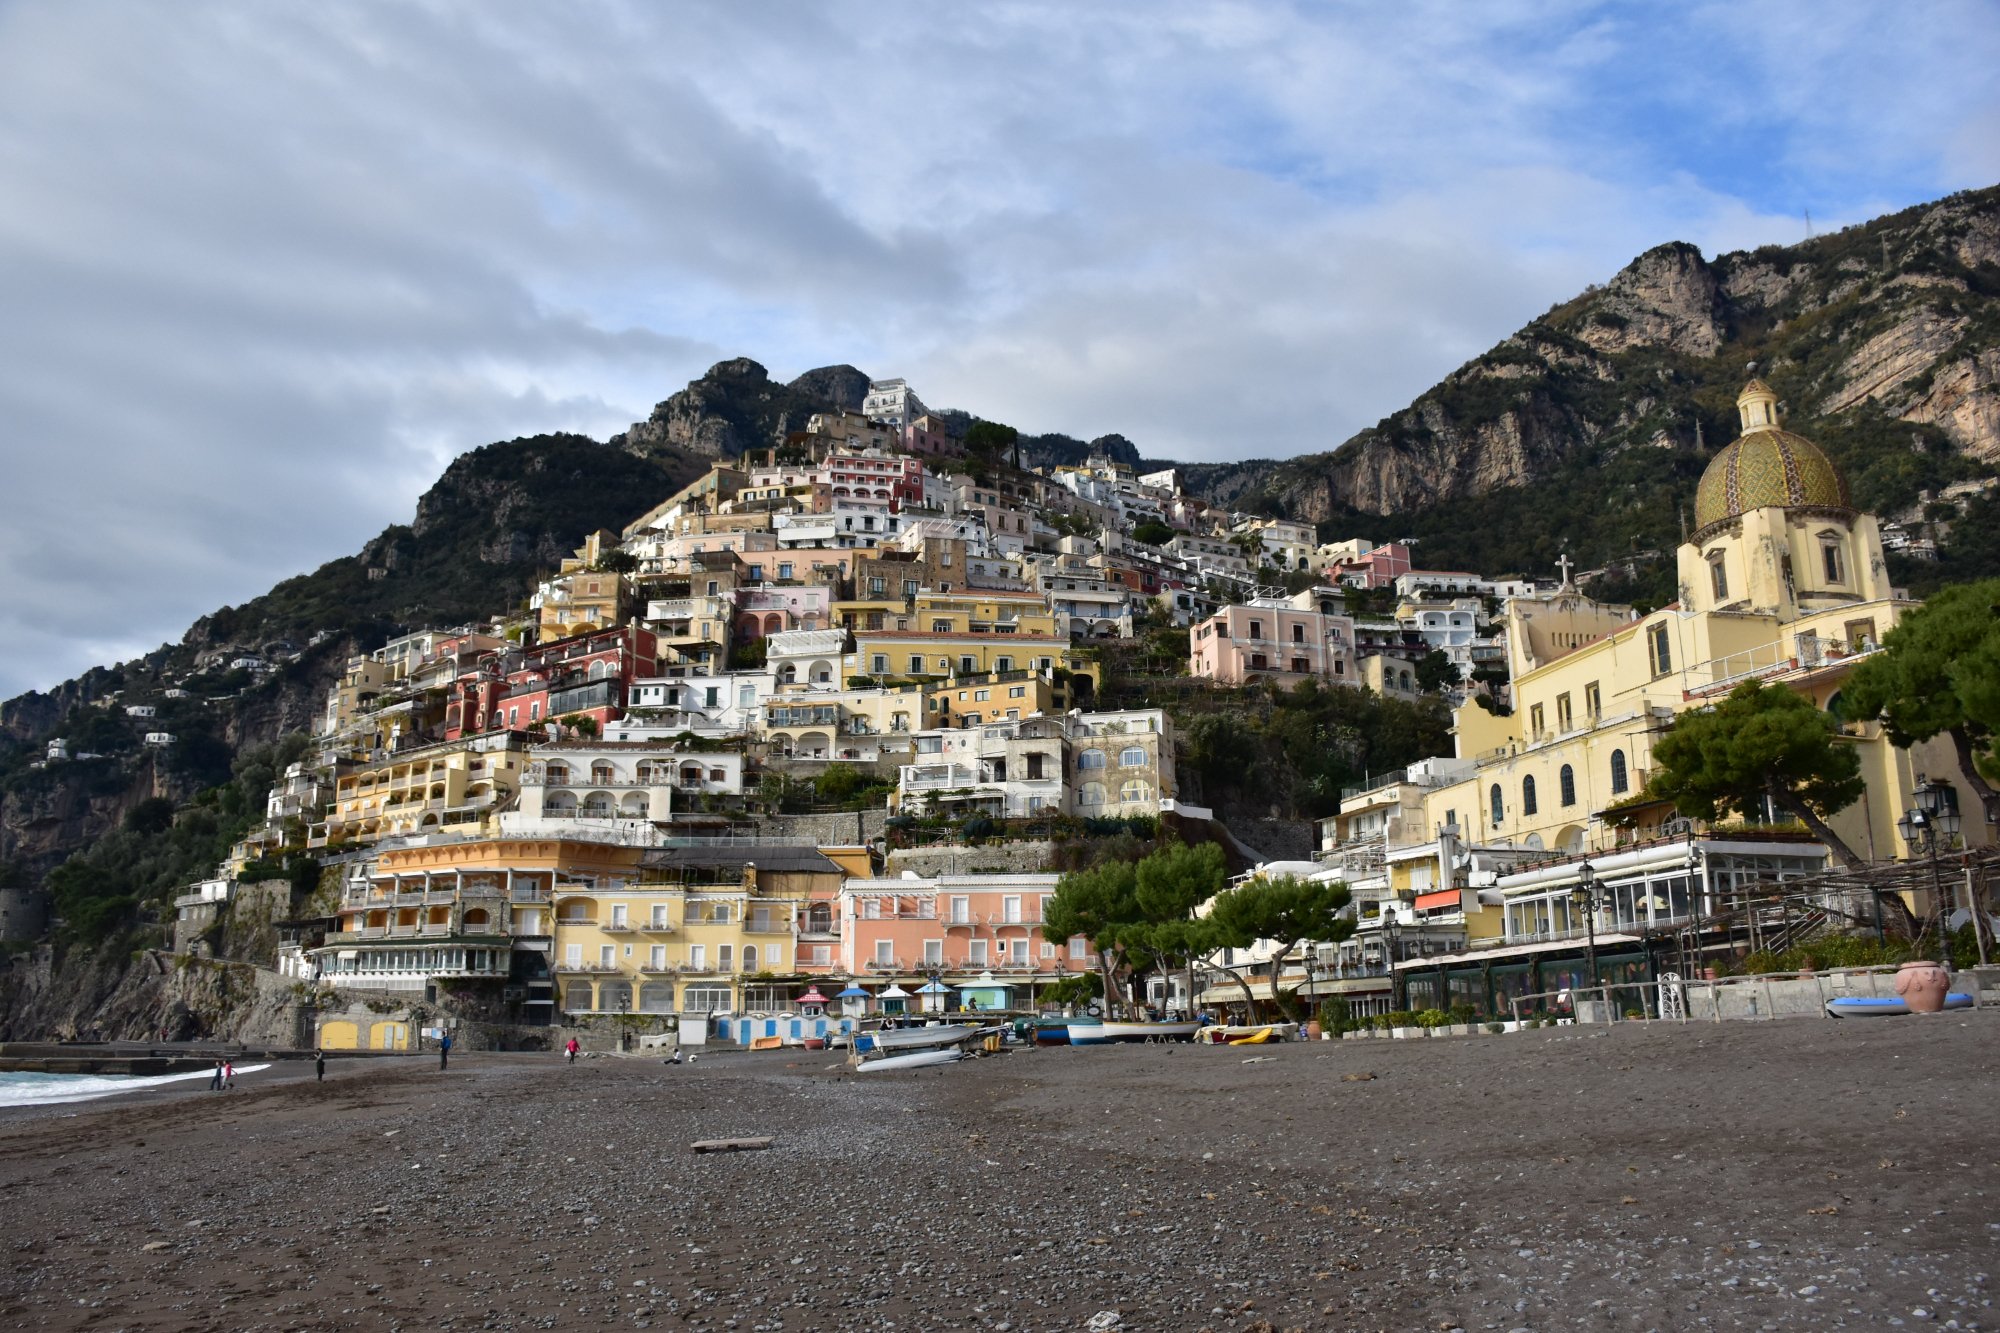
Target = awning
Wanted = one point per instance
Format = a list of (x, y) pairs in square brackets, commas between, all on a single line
[(812, 996), (855, 993), (348, 953), (1440, 898), (894, 993)]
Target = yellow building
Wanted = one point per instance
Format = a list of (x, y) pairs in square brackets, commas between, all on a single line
[(456, 785), (693, 930), (463, 913)]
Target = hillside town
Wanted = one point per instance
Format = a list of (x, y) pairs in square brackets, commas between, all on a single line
[(574, 815)]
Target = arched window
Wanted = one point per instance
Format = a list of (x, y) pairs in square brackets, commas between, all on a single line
[(1132, 758), (1090, 759), (1567, 779), (558, 774), (1135, 789), (1618, 778), (1499, 806), (1090, 794), (749, 958), (1527, 797)]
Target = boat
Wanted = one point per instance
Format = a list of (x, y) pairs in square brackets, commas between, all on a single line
[(1865, 1006), (1257, 1038), (1228, 1034), (1051, 1031), (914, 1039), (1145, 1031), (912, 1060)]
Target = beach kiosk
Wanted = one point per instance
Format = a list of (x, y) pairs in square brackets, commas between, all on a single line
[(853, 1001), (985, 993), (894, 1000), (933, 993)]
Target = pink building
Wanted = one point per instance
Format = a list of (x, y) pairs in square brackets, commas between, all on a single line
[(1273, 640), (1378, 567), (960, 928)]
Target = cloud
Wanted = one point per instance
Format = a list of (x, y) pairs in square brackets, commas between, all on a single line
[(269, 267)]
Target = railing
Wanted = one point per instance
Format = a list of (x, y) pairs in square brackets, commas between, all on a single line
[(598, 967), (766, 926), (527, 896), (1760, 996)]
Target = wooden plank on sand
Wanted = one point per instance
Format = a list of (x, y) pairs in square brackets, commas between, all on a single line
[(732, 1145)]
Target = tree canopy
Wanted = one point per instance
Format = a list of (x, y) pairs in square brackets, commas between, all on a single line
[(1929, 679), (1284, 910), (1761, 741)]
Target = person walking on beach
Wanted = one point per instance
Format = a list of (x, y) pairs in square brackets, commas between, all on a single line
[(229, 1074), (569, 1047), (444, 1051), (215, 1082), (319, 1066)]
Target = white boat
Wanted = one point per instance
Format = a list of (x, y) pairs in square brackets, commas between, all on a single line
[(914, 1039), (1108, 1032), (913, 1060)]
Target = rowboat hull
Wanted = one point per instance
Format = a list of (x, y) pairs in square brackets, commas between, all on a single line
[(1860, 1006), (1143, 1031), (889, 1064)]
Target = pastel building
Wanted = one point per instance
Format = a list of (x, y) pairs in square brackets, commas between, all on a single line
[(1271, 639), (979, 935)]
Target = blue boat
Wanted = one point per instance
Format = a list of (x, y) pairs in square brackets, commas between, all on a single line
[(1051, 1031), (1864, 1006)]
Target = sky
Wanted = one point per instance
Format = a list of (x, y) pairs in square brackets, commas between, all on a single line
[(265, 269)]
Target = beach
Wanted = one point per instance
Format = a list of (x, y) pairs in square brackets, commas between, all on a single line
[(1795, 1175)]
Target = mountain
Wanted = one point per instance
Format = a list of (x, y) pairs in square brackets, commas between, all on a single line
[(1884, 339), (737, 406)]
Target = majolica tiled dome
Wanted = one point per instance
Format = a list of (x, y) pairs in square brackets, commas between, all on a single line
[(1766, 466)]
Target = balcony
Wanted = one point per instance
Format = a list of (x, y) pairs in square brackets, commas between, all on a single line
[(527, 896), (598, 968), (759, 925), (660, 927), (617, 927)]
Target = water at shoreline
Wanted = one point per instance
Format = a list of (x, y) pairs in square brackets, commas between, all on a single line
[(31, 1089)]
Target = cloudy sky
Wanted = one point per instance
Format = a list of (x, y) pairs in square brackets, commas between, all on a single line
[(265, 268)]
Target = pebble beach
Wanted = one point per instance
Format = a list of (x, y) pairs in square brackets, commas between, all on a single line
[(1803, 1175)]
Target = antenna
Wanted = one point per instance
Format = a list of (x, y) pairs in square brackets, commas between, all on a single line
[(1809, 231)]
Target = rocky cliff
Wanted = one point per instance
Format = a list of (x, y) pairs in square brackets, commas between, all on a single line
[(737, 406), (1892, 323), (112, 995)]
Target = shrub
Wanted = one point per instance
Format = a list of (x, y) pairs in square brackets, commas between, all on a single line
[(1433, 1018)]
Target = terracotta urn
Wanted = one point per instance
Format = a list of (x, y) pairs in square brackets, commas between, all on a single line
[(1922, 985)]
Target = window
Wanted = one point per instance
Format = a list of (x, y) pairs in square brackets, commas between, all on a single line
[(1048, 949), (1527, 797), (607, 955), (1562, 712), (1298, 634), (1499, 805), (1830, 559), (1618, 777), (1090, 759), (966, 666), (1079, 948), (1090, 794), (1593, 703), (657, 960), (1718, 576), (1659, 650), (618, 918), (725, 955), (940, 627), (1566, 779), (976, 953), (933, 952), (1017, 691), (1134, 789), (916, 665), (1133, 757), (784, 570), (1536, 722), (882, 955), (1256, 629)]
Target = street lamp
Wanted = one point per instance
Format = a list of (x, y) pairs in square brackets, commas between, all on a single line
[(1583, 898), (1390, 952), (1312, 999), (1930, 824)]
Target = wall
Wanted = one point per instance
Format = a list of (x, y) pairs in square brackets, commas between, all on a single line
[(1000, 858), (847, 829)]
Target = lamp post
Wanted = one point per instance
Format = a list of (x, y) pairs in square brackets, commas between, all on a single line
[(1931, 822), (1583, 898), (1311, 998), (1389, 952)]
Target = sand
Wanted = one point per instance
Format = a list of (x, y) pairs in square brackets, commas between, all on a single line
[(1796, 1175)]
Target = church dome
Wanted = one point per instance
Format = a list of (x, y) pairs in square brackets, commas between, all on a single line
[(1766, 466)]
